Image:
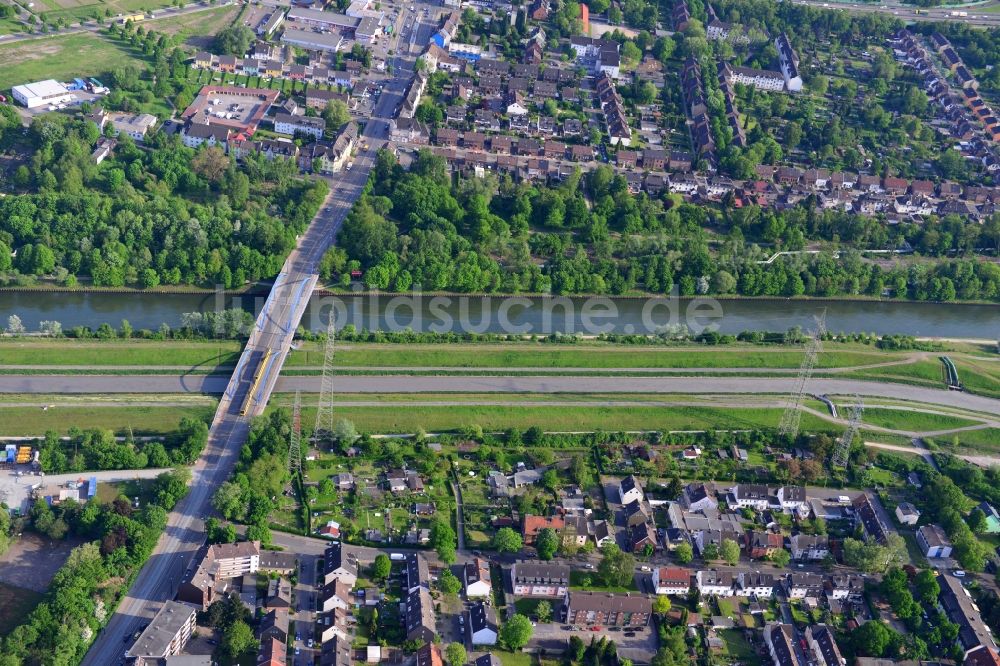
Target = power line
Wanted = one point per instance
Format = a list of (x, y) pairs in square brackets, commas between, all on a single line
[(295, 440), (792, 415), (323, 432), (843, 450)]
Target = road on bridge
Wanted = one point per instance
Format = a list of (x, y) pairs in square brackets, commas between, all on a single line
[(271, 338)]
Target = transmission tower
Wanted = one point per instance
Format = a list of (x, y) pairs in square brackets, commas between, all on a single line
[(324, 412), (793, 407), (843, 450), (295, 440)]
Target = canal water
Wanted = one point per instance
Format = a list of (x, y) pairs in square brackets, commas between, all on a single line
[(535, 315)]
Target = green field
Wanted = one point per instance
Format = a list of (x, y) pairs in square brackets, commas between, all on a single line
[(199, 28), (62, 58), (986, 441), (410, 418), (73, 10), (15, 605), (20, 421), (512, 355), (899, 419)]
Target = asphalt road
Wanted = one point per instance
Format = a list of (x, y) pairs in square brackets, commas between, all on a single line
[(105, 384), (975, 15), (273, 332)]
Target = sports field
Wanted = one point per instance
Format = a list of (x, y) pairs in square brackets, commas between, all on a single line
[(62, 58)]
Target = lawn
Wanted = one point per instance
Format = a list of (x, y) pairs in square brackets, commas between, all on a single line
[(84, 9), (143, 420), (117, 353), (737, 647), (979, 376), (527, 355), (513, 658), (15, 605), (986, 440), (198, 29), (62, 58), (410, 418), (900, 419)]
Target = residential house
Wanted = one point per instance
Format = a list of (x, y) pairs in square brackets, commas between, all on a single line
[(630, 490), (671, 580), (933, 541), (478, 582), (481, 621), (607, 609), (755, 584), (808, 547), (420, 621), (715, 583), (532, 525), (907, 514), (540, 580)]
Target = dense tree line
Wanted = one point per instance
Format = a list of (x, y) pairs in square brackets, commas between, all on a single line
[(590, 235), (85, 591), (165, 215), (93, 450)]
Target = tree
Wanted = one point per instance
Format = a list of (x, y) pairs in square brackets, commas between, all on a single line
[(336, 115), (661, 604), (449, 583), (507, 540), (872, 639), (516, 632), (444, 541), (576, 648), (345, 432), (455, 654), (780, 558), (14, 326), (927, 586), (872, 557), (230, 501), (238, 640), (544, 611), (381, 567), (234, 40), (684, 552), (977, 521), (617, 568), (730, 552), (546, 543)]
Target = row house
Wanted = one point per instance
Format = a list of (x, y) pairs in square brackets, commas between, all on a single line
[(540, 579), (809, 547), (680, 16), (607, 609)]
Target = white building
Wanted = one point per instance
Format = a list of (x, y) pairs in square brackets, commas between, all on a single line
[(285, 123), (482, 623), (630, 490), (792, 499), (711, 582), (134, 125), (41, 93), (671, 580), (751, 495), (167, 633), (907, 514), (789, 61), (809, 546), (478, 583), (933, 541), (755, 584)]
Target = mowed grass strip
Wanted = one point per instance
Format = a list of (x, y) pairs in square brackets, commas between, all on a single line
[(981, 377), (85, 10), (119, 353), (62, 58), (143, 420), (911, 421), (513, 355), (410, 418)]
